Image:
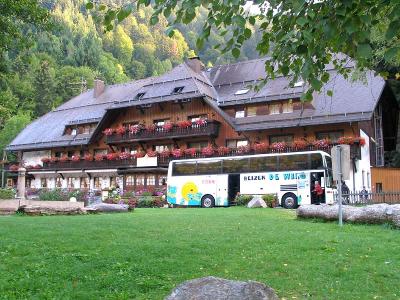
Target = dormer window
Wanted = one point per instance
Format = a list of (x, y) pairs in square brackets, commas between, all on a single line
[(242, 92), (74, 131), (178, 90), (299, 84), (139, 96)]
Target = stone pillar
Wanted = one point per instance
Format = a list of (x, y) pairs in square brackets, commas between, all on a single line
[(21, 183)]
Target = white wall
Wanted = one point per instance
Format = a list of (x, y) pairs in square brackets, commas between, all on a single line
[(34, 158)]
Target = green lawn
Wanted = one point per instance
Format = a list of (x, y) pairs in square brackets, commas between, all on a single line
[(143, 255)]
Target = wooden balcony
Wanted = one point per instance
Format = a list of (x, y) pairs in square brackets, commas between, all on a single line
[(211, 128), (162, 161)]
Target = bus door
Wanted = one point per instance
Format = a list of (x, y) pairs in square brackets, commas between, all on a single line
[(222, 190), (314, 178), (303, 189), (233, 186)]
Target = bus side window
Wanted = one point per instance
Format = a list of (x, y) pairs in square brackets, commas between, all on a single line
[(294, 162), (184, 168), (209, 167), (316, 161), (263, 164), (235, 165)]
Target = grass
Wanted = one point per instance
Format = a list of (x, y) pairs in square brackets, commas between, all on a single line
[(143, 255)]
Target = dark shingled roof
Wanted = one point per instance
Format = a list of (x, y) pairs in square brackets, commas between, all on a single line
[(351, 101)]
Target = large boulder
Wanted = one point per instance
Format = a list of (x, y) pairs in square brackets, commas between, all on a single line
[(37, 210), (257, 201), (371, 214), (106, 207), (213, 288)]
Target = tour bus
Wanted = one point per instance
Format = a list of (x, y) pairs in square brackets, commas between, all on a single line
[(216, 181)]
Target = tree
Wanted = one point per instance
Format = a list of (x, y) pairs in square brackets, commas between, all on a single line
[(12, 127), (44, 83), (300, 37), (72, 81), (122, 45), (14, 15)]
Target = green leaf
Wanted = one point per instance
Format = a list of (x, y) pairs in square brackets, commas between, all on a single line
[(393, 30), (123, 13), (329, 93), (364, 51), (301, 21), (391, 53), (170, 31), (89, 5), (153, 20), (247, 33), (235, 52), (102, 7)]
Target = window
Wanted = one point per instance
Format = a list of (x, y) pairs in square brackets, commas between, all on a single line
[(100, 151), (197, 118), (58, 154), (239, 113), (293, 162), (263, 164), (330, 135), (197, 145), (209, 167), (161, 148), (139, 179), (162, 180), (242, 92), (281, 138), (363, 178), (274, 109), (235, 165), (236, 143), (160, 122), (178, 90), (43, 182), (86, 129), (379, 187), (299, 84), (287, 107), (74, 131), (252, 111), (113, 181), (84, 184), (317, 163), (151, 180), (130, 180), (70, 182), (184, 168), (139, 96), (97, 184), (128, 124)]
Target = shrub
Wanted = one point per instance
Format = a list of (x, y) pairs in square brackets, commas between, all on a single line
[(243, 199), (270, 200), (7, 193), (52, 195)]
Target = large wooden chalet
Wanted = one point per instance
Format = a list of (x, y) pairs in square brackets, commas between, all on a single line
[(126, 134)]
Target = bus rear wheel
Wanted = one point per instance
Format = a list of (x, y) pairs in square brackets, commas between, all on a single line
[(207, 201), (289, 200)]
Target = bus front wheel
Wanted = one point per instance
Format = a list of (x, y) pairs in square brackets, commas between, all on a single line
[(289, 200), (207, 201)]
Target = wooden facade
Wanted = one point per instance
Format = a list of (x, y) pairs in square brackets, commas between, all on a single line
[(385, 179)]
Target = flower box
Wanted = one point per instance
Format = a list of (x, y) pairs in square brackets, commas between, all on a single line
[(184, 124), (191, 152), (120, 130), (299, 144), (151, 153), (108, 131), (207, 151), (88, 157), (99, 157), (166, 153), (177, 153), (75, 158), (279, 146), (151, 128), (168, 126), (222, 150), (260, 147)]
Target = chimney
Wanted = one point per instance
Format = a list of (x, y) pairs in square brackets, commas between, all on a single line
[(98, 88), (195, 64)]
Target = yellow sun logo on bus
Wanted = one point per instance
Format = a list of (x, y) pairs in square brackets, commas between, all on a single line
[(188, 189)]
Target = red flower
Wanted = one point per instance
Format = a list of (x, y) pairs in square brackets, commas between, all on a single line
[(279, 146), (45, 159), (112, 156), (321, 144), (165, 153), (120, 130), (299, 144), (346, 140), (88, 157), (177, 153), (260, 147), (139, 154), (124, 155), (201, 122), (222, 150), (135, 129), (75, 158), (99, 157), (361, 141), (64, 159), (108, 131), (151, 153), (54, 159), (191, 151), (151, 128), (168, 126), (207, 151), (184, 124)]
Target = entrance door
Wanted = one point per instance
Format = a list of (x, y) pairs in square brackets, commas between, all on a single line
[(314, 178), (233, 186)]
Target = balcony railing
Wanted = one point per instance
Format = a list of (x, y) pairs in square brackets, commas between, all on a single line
[(211, 128), (163, 161)]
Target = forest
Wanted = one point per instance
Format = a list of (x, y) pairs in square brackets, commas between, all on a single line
[(62, 61)]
